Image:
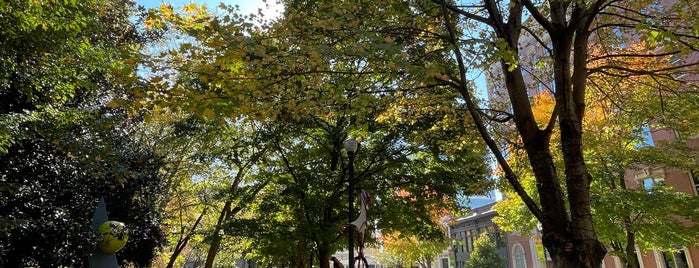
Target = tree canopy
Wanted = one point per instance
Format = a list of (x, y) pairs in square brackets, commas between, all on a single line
[(245, 118), (416, 57), (61, 146)]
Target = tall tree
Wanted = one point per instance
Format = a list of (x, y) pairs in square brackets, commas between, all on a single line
[(61, 147), (419, 50), (54, 176), (305, 203), (625, 215), (562, 31), (320, 97)]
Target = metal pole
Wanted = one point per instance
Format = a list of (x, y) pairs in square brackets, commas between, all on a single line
[(350, 208)]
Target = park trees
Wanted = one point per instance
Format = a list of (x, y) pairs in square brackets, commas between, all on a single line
[(492, 32), (314, 98), (626, 214), (417, 54), (61, 145), (214, 165)]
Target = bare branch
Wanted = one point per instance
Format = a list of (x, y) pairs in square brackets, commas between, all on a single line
[(632, 55), (634, 72), (538, 40), (464, 13), (538, 16), (462, 87)]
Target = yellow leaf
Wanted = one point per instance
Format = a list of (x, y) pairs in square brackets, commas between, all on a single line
[(209, 113), (113, 104), (204, 78)]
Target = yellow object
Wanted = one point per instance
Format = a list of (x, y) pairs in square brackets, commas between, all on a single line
[(114, 236)]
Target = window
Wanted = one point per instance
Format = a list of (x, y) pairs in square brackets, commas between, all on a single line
[(470, 237), (518, 257), (675, 259), (677, 61), (694, 173), (650, 184), (445, 263), (497, 236)]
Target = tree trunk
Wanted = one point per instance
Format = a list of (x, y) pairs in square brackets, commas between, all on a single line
[(568, 231), (630, 249), (324, 258), (216, 243), (299, 260), (213, 249), (182, 243)]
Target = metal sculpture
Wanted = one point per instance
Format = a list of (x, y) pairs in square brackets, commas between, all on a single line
[(361, 225), (112, 235)]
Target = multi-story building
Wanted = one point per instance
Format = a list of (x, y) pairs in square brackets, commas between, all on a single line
[(520, 250)]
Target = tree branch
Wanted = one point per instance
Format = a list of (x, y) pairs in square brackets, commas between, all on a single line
[(538, 16), (464, 13), (463, 89)]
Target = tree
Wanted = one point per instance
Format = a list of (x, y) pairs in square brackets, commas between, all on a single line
[(243, 150), (564, 212), (211, 166), (238, 75), (485, 254), (418, 50), (56, 174), (633, 224), (403, 251), (61, 146), (303, 209), (52, 52), (624, 217)]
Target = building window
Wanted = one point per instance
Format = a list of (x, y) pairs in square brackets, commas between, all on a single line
[(497, 236), (675, 259), (470, 237), (677, 61), (694, 173), (650, 184), (518, 257), (445, 263)]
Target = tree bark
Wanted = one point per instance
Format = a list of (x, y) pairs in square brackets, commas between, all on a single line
[(630, 249), (324, 258), (568, 231), (182, 243), (216, 242)]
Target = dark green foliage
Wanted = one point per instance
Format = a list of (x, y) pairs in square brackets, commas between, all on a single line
[(54, 179), (61, 149)]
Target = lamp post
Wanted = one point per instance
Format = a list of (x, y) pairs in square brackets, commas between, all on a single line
[(351, 146)]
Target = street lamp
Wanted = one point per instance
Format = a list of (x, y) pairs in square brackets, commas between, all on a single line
[(351, 145)]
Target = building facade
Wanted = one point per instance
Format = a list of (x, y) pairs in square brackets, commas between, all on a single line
[(520, 251), (526, 250)]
